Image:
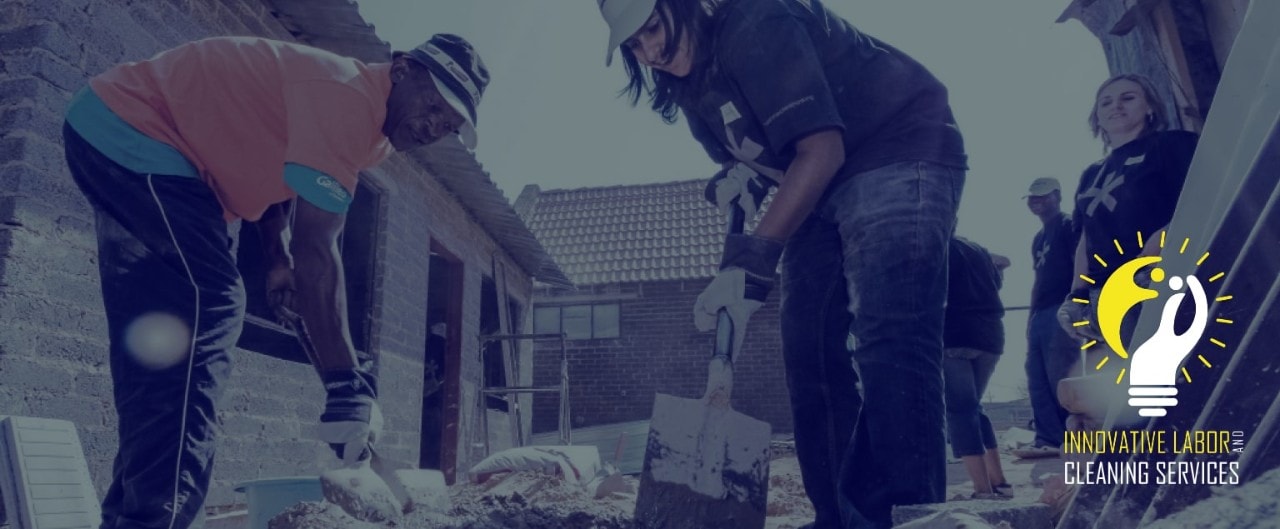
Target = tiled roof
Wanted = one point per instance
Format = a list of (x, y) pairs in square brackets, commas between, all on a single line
[(627, 234)]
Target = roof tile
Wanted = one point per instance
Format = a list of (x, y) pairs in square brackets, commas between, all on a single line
[(632, 233)]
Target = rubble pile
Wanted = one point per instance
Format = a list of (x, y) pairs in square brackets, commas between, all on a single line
[(537, 500), (518, 500)]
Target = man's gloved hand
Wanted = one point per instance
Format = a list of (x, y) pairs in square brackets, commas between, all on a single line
[(738, 182), (351, 421), (1072, 312), (747, 269)]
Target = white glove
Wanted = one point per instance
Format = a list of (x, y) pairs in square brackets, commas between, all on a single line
[(741, 183), (727, 291), (345, 428)]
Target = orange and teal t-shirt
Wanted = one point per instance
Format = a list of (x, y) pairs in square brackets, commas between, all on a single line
[(260, 121)]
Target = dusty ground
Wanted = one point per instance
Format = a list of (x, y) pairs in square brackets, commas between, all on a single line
[(528, 500)]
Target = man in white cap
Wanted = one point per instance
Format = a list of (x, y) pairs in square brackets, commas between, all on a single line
[(1050, 352), (168, 151)]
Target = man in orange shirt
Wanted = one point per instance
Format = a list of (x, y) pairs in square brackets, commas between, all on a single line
[(168, 151)]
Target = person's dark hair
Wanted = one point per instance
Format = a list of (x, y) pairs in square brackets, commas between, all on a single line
[(666, 91)]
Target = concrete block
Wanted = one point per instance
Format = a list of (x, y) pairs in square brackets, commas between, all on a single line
[(1016, 514), (237, 469), (41, 315), (117, 36), (33, 377), (62, 12), (11, 401), (16, 89), (43, 64), (83, 289), (96, 385), (35, 119), (152, 17), (82, 411), (44, 35), (40, 153)]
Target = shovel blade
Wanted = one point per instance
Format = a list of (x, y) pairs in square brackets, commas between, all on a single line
[(361, 493), (705, 466)]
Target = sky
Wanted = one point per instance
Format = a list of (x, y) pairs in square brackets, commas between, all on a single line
[(1020, 86)]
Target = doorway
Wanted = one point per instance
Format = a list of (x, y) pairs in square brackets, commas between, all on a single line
[(442, 360)]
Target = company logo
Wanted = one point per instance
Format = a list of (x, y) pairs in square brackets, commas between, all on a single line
[(1157, 361), (335, 190)]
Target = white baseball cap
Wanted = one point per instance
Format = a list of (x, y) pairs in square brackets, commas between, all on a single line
[(1043, 186), (625, 18)]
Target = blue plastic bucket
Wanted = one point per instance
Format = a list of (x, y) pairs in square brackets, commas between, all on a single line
[(268, 497)]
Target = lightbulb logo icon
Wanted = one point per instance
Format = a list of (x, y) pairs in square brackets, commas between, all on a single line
[(1155, 364)]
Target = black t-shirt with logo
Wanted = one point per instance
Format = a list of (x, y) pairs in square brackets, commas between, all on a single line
[(1053, 254), (783, 69), (974, 310), (1133, 190)]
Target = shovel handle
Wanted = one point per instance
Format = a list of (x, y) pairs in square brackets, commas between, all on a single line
[(737, 217), (724, 324), (724, 336)]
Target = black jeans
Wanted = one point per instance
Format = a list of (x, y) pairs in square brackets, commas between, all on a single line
[(175, 306)]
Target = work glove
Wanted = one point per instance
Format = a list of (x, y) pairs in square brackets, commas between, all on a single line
[(352, 421), (747, 269), (738, 182), (1071, 312)]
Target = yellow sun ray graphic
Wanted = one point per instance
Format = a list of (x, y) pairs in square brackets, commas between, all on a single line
[(1157, 275)]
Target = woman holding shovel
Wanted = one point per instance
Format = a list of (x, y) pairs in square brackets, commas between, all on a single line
[(869, 165)]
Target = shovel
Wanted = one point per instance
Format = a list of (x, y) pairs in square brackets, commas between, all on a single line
[(706, 465), (362, 490), (381, 489)]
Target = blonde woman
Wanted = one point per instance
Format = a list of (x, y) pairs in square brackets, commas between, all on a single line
[(1131, 192)]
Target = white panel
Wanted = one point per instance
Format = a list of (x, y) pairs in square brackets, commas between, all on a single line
[(50, 486)]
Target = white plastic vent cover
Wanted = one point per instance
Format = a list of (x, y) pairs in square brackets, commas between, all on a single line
[(43, 476)]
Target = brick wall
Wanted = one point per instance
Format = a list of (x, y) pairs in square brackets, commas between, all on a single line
[(52, 330), (659, 351)]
